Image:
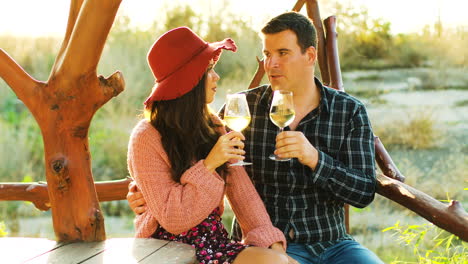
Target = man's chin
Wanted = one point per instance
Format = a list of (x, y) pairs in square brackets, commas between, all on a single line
[(276, 87)]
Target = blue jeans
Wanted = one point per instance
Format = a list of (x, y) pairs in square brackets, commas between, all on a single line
[(344, 252)]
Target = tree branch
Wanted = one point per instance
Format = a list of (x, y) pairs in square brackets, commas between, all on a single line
[(111, 86), (18, 79), (91, 29), (298, 6), (451, 217), (75, 7)]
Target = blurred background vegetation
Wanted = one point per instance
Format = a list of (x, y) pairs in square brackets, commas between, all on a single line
[(415, 87)]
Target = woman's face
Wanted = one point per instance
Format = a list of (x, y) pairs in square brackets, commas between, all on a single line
[(210, 85)]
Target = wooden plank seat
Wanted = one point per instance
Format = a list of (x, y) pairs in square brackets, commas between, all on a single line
[(115, 250)]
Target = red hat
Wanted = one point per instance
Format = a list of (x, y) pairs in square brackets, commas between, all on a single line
[(178, 60)]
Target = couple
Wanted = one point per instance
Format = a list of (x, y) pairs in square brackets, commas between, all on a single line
[(179, 156)]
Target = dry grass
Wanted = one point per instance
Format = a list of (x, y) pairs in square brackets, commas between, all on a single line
[(417, 130)]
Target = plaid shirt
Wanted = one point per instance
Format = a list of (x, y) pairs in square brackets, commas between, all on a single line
[(311, 202)]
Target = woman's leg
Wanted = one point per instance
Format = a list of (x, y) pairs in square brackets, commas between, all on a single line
[(257, 255)]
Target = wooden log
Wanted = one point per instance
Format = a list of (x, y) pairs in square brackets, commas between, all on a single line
[(314, 14), (298, 6), (259, 73), (333, 58), (385, 162), (112, 190), (451, 217), (37, 192)]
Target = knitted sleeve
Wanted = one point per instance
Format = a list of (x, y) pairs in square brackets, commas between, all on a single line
[(250, 211), (175, 206)]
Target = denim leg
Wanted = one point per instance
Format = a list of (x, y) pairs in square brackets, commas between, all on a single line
[(299, 252), (349, 252)]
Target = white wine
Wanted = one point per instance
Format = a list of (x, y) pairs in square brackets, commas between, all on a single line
[(237, 123), (282, 118)]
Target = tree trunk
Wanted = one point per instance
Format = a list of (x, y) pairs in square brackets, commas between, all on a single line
[(63, 107)]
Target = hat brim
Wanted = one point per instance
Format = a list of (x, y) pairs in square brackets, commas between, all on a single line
[(187, 77)]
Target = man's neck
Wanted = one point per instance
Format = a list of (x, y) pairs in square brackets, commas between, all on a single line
[(306, 99), (307, 96)]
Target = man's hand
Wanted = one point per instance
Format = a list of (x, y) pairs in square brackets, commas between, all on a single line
[(135, 199), (293, 144)]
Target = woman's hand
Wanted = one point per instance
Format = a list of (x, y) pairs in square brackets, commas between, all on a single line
[(228, 146), (278, 246), (135, 199)]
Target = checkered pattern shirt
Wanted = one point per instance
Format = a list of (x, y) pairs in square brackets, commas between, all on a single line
[(311, 202)]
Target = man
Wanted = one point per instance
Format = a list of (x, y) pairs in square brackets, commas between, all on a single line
[(330, 141)]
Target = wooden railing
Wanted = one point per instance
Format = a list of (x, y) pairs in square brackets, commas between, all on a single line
[(37, 192)]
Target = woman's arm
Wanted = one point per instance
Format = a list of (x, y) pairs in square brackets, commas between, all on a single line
[(176, 206), (250, 211)]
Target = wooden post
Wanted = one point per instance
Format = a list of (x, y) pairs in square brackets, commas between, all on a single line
[(333, 58), (314, 14), (258, 74), (63, 107), (385, 162)]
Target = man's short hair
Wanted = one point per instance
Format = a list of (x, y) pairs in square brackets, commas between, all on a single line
[(296, 22)]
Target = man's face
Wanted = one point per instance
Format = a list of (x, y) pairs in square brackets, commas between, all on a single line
[(285, 64)]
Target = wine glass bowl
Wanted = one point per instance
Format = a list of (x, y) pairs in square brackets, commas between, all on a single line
[(282, 113), (237, 116)]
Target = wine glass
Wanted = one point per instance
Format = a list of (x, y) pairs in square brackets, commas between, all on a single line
[(282, 113), (237, 116)]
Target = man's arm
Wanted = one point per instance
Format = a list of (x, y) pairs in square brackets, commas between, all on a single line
[(351, 175)]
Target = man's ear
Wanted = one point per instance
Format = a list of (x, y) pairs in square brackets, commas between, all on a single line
[(311, 53)]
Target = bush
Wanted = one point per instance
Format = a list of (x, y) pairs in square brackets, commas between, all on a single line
[(430, 244), (419, 131), (3, 232)]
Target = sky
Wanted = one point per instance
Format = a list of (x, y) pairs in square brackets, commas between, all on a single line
[(49, 17)]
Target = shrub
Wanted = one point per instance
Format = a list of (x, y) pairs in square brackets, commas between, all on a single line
[(3, 232), (430, 244), (418, 131)]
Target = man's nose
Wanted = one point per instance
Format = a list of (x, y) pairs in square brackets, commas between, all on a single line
[(272, 62)]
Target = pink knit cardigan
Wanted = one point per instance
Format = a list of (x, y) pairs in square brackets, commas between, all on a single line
[(181, 206)]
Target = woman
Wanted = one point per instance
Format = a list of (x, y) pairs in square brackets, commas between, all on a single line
[(178, 156)]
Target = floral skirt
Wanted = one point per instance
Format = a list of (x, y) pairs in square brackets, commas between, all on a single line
[(210, 240)]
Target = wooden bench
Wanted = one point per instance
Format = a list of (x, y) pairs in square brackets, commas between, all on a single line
[(114, 250)]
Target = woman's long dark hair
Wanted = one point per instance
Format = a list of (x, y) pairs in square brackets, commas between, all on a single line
[(187, 130)]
